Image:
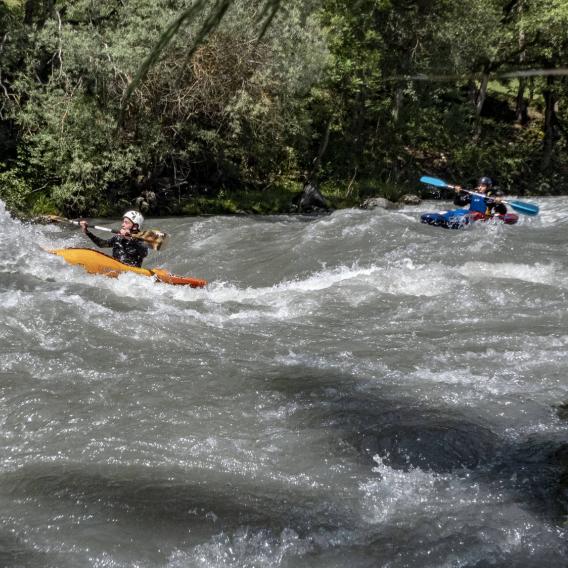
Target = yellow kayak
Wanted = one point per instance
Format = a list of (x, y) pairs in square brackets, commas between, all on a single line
[(95, 262)]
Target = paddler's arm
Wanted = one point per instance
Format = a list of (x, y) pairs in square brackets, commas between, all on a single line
[(495, 203), (461, 198), (102, 243)]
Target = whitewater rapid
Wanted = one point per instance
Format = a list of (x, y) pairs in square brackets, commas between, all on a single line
[(355, 389)]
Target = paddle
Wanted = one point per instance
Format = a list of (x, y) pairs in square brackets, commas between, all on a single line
[(519, 206), (156, 239)]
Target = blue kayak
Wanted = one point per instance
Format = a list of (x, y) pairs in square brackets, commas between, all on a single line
[(460, 218)]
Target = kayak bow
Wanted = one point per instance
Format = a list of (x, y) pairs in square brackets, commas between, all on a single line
[(95, 262)]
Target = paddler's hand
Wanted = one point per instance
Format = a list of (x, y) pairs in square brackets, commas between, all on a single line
[(125, 233), (457, 188), (83, 225)]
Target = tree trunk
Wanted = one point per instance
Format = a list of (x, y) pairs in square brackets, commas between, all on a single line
[(550, 103), (481, 93), (29, 12), (521, 110), (480, 97), (316, 164), (398, 98), (522, 107), (33, 9), (49, 9)]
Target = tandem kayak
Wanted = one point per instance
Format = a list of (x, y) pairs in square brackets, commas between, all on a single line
[(460, 218), (95, 262)]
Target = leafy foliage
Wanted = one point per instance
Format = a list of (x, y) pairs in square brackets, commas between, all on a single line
[(101, 103)]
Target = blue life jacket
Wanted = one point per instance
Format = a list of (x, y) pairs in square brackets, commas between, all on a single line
[(478, 203)]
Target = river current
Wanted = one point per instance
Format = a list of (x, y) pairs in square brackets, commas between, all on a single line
[(357, 390)]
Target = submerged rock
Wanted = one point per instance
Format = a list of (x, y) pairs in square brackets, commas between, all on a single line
[(563, 411), (431, 444), (380, 202), (310, 200), (410, 199)]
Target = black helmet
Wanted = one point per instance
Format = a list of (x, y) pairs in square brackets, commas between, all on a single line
[(485, 181)]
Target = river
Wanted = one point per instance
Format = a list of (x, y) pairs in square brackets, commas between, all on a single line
[(357, 390)]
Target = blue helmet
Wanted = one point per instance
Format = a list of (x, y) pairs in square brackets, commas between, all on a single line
[(485, 181)]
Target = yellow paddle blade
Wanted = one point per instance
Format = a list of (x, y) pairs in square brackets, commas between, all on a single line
[(156, 239), (53, 219)]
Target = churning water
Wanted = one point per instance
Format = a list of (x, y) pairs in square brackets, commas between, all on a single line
[(353, 390)]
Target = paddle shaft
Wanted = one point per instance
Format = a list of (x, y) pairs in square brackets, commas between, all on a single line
[(479, 194), (155, 239), (106, 229), (441, 183), (520, 206)]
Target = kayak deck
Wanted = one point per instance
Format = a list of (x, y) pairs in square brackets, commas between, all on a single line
[(460, 218), (96, 262)]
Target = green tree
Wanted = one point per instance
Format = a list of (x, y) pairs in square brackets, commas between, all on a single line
[(228, 112)]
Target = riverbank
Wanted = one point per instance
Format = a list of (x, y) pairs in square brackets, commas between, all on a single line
[(281, 199)]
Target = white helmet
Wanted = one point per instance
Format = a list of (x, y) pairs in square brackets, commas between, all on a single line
[(135, 216)]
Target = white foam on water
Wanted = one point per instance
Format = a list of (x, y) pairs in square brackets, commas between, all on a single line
[(396, 492), (447, 504), (277, 302), (246, 547), (130, 373), (282, 301), (406, 278), (551, 274)]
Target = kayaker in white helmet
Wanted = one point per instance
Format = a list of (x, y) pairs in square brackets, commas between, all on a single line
[(125, 249)]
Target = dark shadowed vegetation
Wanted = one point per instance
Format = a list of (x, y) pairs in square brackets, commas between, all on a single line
[(231, 105)]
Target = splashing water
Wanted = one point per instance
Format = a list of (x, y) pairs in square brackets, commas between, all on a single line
[(358, 389)]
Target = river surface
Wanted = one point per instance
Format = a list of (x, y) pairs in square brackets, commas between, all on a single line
[(355, 390)]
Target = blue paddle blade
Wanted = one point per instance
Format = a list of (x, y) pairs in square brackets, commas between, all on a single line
[(434, 181), (524, 208)]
